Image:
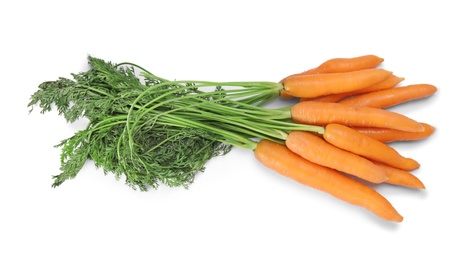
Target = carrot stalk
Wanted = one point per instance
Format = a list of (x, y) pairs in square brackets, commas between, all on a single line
[(322, 113), (315, 85), (282, 160), (391, 135), (391, 97), (353, 141), (317, 150)]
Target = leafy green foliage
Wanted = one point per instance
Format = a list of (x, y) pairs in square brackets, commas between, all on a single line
[(160, 154), (154, 131), (103, 94)]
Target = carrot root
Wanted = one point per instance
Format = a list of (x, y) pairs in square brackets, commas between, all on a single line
[(317, 150), (322, 113), (391, 97), (282, 160), (353, 141), (388, 83), (343, 65), (315, 85), (347, 64), (391, 135), (400, 177)]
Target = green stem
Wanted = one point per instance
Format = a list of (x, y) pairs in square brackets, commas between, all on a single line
[(228, 136), (259, 87)]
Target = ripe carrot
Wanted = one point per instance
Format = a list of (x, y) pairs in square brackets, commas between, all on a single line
[(388, 83), (344, 65), (353, 141), (315, 85), (400, 177), (317, 150), (282, 160), (347, 64), (321, 113), (391, 97), (391, 135)]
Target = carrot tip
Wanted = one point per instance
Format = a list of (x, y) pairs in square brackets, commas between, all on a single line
[(382, 179), (398, 218)]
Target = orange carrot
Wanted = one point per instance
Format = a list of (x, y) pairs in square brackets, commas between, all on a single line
[(400, 177), (317, 150), (321, 113), (280, 159), (315, 85), (347, 64), (337, 65), (391, 97), (391, 135), (353, 141), (388, 83)]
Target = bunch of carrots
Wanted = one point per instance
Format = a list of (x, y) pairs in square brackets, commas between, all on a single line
[(335, 138), (348, 97)]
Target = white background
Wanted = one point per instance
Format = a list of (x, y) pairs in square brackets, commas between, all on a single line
[(237, 209)]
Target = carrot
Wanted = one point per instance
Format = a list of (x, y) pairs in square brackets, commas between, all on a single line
[(317, 150), (347, 64), (282, 160), (353, 141), (388, 83), (344, 65), (391, 97), (315, 85), (400, 177), (321, 113), (391, 135)]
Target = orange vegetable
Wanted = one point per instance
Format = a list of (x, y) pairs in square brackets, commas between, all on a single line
[(353, 141), (388, 83), (282, 160), (391, 97), (400, 177), (347, 64), (315, 85), (391, 135), (317, 150), (322, 113), (344, 65)]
